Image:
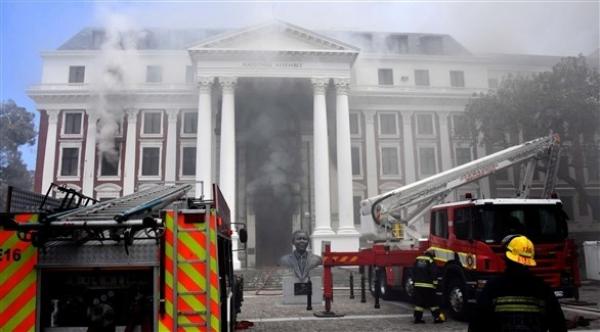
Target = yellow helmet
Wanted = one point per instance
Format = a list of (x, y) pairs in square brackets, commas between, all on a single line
[(520, 249)]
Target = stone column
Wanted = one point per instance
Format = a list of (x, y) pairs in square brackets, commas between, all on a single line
[(89, 161), (50, 150), (446, 147), (371, 154), (344, 164), (171, 154), (130, 152), (204, 139), (410, 173), (322, 231), (227, 155)]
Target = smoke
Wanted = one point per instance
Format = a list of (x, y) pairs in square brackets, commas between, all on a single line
[(118, 57)]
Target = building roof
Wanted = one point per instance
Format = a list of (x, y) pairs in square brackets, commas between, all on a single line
[(180, 39)]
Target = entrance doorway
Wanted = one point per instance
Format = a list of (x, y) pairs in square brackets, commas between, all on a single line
[(271, 116)]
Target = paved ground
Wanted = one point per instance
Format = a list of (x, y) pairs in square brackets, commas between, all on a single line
[(268, 314)]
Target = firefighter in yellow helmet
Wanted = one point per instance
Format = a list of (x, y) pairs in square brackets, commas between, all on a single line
[(424, 276), (517, 300)]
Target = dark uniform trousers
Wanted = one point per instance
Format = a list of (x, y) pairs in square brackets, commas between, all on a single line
[(425, 282)]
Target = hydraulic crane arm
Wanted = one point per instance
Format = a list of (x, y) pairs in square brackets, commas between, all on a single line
[(439, 185)]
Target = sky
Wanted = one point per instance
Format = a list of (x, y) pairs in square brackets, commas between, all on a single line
[(561, 28)]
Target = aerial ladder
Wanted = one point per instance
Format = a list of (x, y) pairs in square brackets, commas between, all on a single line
[(392, 254), (385, 209)]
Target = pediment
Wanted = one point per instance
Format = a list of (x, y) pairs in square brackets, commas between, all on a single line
[(274, 36)]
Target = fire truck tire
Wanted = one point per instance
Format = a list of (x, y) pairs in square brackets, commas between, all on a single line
[(456, 298), (387, 293)]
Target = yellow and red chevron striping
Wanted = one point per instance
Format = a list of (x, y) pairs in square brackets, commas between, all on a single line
[(215, 303), (196, 292), (166, 322), (18, 279)]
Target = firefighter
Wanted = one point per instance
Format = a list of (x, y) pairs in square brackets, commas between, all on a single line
[(517, 300), (425, 282)]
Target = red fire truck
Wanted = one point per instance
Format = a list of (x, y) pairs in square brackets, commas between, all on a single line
[(153, 260), (465, 235)]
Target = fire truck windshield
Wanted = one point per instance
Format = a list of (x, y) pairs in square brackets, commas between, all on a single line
[(541, 223)]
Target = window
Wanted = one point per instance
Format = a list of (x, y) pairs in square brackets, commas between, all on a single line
[(188, 161), (356, 169), (386, 77), (460, 126), (389, 161), (152, 123), (153, 74), (387, 124), (189, 74), (463, 155), (431, 44), (425, 125), (457, 79), (72, 123), (592, 161), (76, 74), (462, 223), (427, 161), (422, 77), (150, 161), (439, 223), (189, 125), (69, 161), (502, 175), (109, 165), (568, 206), (356, 200), (493, 83), (397, 43), (354, 124)]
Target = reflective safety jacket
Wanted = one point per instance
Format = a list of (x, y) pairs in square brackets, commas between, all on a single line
[(425, 272), (517, 301)]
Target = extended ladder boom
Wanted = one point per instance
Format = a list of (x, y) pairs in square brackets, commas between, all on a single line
[(439, 185)]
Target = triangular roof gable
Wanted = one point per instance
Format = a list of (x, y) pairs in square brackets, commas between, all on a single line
[(277, 35)]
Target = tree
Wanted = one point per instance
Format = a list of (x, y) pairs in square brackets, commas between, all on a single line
[(565, 100), (16, 129)]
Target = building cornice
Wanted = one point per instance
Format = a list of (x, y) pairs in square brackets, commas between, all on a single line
[(62, 94)]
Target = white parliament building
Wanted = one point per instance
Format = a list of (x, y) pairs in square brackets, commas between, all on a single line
[(296, 126)]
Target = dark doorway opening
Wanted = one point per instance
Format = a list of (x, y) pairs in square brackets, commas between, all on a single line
[(271, 113)]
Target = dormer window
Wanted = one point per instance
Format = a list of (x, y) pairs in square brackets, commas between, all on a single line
[(397, 43), (432, 45)]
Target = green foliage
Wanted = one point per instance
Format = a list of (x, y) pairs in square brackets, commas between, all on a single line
[(16, 129), (565, 100)]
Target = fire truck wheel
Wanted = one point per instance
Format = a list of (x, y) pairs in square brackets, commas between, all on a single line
[(456, 299), (386, 292)]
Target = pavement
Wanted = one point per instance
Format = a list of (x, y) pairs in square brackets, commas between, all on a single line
[(265, 309)]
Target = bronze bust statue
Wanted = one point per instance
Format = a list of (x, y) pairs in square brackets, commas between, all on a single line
[(300, 261)]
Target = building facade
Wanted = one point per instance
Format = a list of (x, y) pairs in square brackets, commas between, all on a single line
[(296, 126)]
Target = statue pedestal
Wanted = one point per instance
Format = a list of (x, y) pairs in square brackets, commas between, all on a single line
[(288, 291)]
